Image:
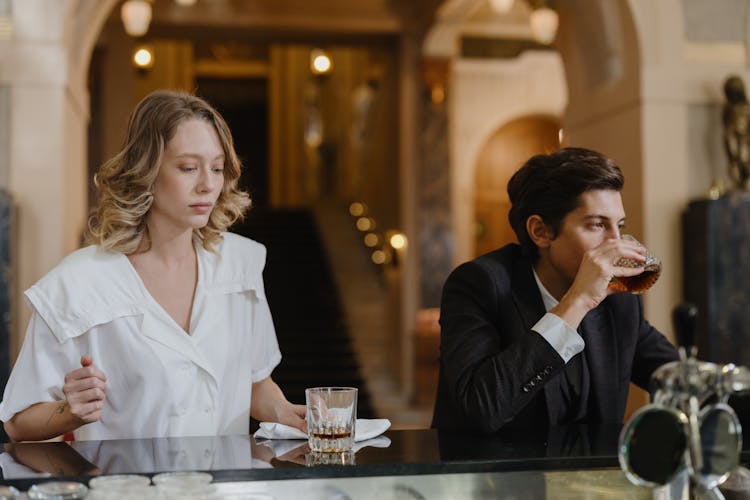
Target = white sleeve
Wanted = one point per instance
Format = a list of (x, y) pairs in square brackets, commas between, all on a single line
[(560, 335), (40, 369), (264, 346)]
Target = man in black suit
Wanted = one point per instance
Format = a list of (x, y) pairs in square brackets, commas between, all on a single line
[(534, 335)]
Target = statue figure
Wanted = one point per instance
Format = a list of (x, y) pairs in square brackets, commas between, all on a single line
[(736, 118)]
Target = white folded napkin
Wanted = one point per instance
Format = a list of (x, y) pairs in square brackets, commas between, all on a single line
[(364, 429)]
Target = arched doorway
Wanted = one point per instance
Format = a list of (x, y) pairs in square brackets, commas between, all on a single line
[(503, 153)]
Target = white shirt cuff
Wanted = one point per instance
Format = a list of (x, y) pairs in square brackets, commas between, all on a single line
[(564, 339)]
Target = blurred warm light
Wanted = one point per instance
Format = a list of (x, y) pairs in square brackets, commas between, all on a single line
[(136, 16), (560, 136), (378, 257), (320, 62), (544, 23), (365, 224), (398, 241), (501, 6), (186, 3), (479, 228), (437, 94), (143, 57), (357, 209), (371, 240), (6, 28)]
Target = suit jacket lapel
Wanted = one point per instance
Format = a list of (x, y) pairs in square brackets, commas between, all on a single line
[(598, 331)]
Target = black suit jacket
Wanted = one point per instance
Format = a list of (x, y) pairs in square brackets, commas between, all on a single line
[(494, 369)]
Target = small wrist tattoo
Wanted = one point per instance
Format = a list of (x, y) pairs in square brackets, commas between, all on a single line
[(59, 410)]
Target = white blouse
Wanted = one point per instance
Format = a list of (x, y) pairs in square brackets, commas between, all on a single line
[(161, 382)]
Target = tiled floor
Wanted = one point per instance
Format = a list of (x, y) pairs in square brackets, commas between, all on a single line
[(366, 298)]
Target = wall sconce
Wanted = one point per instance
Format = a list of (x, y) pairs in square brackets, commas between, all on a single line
[(136, 16), (357, 209), (397, 240), (396, 246), (143, 57), (371, 240), (320, 62), (365, 224), (379, 257), (387, 248)]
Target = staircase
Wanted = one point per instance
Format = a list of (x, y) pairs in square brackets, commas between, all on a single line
[(311, 329)]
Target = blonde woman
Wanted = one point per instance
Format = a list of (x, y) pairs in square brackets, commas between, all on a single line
[(160, 327)]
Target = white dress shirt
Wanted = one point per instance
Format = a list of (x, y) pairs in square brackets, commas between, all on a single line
[(161, 382), (560, 335)]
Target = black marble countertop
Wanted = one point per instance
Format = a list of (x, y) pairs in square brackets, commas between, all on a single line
[(243, 458)]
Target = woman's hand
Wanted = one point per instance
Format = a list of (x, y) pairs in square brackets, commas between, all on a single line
[(268, 404), (85, 390), (293, 416)]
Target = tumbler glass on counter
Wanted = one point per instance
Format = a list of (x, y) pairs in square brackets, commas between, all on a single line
[(640, 282), (331, 418)]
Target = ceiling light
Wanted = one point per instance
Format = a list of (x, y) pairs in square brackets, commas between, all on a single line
[(544, 23), (501, 6), (136, 16)]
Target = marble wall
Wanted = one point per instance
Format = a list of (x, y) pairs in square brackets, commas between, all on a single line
[(715, 21), (707, 160), (435, 234), (4, 138), (6, 283)]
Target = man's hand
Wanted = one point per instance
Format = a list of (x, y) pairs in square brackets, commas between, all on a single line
[(85, 390), (591, 284)]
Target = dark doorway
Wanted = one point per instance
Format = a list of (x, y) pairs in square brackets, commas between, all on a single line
[(244, 105)]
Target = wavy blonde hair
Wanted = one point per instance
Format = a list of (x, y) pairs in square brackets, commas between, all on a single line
[(125, 183)]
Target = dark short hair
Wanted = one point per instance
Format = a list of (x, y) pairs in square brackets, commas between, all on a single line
[(550, 186)]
